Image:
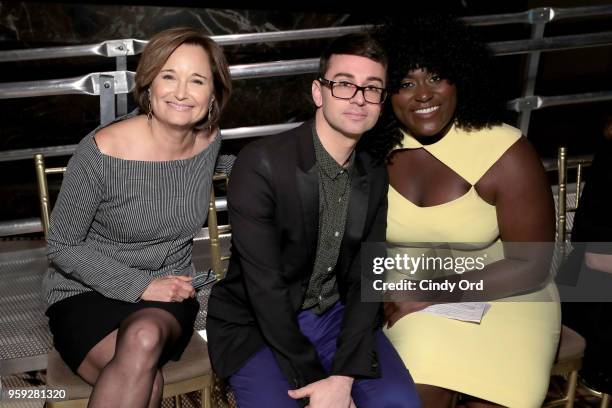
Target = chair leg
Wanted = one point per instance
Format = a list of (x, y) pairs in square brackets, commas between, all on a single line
[(605, 400), (206, 397), (178, 403), (572, 384)]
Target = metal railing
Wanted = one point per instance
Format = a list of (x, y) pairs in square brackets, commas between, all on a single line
[(112, 87), (121, 81), (124, 80), (563, 42), (34, 224), (108, 84), (226, 134), (91, 84), (539, 102), (130, 46)]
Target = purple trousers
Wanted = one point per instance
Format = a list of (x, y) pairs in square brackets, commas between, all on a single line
[(260, 382)]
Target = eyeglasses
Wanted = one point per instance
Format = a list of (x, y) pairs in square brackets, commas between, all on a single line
[(348, 90)]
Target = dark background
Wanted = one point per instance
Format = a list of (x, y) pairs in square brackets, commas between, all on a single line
[(61, 120)]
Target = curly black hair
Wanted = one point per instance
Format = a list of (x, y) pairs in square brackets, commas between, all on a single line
[(444, 45)]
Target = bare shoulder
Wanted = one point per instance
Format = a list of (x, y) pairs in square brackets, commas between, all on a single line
[(520, 155), (120, 137), (517, 173), (518, 164), (518, 187)]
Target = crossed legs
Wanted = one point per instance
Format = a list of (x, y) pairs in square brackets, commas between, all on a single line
[(123, 367)]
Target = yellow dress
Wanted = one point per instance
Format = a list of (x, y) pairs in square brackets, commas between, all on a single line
[(506, 358)]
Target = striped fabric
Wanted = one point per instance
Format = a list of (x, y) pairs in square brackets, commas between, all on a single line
[(225, 162), (118, 224)]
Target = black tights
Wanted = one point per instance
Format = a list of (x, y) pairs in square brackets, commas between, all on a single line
[(122, 367)]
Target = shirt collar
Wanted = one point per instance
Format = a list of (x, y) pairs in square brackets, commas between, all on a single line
[(326, 162)]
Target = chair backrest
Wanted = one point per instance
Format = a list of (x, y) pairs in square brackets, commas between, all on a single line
[(215, 230), (43, 188), (564, 164)]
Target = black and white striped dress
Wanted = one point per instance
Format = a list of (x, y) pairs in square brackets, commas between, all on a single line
[(117, 225)]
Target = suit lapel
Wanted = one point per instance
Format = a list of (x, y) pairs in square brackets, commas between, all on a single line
[(358, 204), (307, 182)]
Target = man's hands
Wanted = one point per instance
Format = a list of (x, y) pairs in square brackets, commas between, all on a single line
[(169, 289), (332, 392)]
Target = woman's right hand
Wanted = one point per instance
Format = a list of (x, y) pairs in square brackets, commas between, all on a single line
[(169, 289)]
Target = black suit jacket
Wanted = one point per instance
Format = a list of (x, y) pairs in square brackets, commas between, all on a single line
[(273, 202)]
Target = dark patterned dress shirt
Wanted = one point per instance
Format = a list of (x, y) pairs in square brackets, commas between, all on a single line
[(334, 191)]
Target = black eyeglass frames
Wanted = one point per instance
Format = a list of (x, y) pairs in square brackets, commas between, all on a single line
[(348, 90)]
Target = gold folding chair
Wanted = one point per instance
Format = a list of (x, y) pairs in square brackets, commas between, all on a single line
[(43, 188), (214, 230), (563, 230), (221, 392), (568, 360), (191, 373), (563, 164), (567, 363), (604, 398)]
